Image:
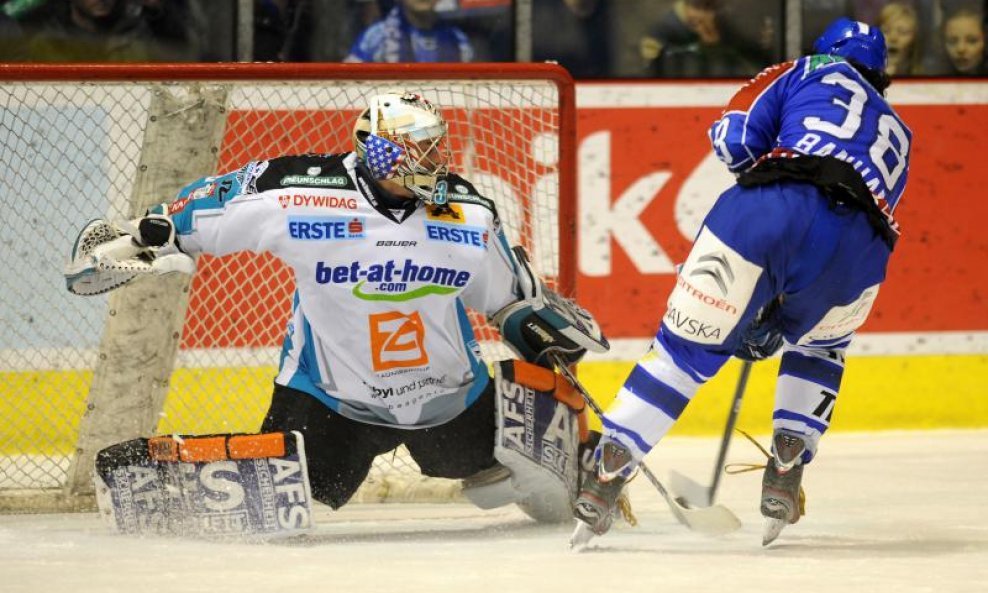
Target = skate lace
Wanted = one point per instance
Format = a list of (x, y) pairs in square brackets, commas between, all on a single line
[(624, 505), (740, 468)]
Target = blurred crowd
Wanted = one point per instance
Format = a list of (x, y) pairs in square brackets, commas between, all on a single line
[(592, 38)]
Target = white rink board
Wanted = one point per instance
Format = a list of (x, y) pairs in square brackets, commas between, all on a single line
[(887, 512)]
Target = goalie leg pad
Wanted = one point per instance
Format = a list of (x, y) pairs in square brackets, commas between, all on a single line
[(540, 424), (221, 485)]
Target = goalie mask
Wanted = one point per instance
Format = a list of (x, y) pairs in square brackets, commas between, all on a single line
[(402, 138)]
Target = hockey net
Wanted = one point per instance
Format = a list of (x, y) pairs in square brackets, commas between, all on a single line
[(199, 357)]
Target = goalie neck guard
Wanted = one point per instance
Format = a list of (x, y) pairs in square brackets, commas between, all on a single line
[(403, 138)]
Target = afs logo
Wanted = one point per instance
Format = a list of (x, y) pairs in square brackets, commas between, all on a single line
[(397, 341)]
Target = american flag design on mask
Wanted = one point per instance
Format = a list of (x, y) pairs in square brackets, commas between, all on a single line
[(383, 156)]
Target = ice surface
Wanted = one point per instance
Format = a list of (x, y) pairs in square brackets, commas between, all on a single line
[(886, 512)]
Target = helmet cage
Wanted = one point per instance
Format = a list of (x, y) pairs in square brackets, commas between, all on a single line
[(403, 138)]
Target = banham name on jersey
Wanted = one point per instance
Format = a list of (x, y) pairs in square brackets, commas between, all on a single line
[(379, 330)]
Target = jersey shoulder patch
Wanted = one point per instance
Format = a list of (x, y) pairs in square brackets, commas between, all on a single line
[(749, 93), (462, 191), (324, 171)]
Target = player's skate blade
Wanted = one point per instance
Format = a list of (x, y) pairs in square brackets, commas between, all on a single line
[(772, 529), (581, 536)]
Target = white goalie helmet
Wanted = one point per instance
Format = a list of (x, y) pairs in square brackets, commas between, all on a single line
[(402, 137)]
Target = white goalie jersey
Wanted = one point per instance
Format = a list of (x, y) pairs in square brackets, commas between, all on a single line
[(379, 331)]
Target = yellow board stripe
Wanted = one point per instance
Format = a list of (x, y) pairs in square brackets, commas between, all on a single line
[(40, 410), (877, 393)]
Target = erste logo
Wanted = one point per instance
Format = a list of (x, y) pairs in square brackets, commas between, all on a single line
[(325, 228), (471, 236)]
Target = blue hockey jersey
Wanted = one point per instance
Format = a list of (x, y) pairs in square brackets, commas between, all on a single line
[(817, 105)]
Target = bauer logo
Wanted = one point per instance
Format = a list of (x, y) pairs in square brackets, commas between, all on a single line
[(326, 228), (460, 235), (311, 180), (393, 280)]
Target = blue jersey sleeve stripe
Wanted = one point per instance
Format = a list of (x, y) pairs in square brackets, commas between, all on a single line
[(811, 422), (813, 369), (655, 393), (634, 436)]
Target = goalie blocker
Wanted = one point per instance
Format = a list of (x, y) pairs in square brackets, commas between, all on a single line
[(543, 322), (542, 435), (221, 485)]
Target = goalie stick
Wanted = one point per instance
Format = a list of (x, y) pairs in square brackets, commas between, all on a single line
[(712, 520), (691, 493)]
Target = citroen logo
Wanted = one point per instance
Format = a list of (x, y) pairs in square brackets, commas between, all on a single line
[(715, 265)]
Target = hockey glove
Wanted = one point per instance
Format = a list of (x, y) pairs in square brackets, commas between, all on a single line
[(545, 322), (106, 256), (763, 337)]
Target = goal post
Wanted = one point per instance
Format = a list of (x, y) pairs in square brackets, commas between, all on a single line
[(170, 355)]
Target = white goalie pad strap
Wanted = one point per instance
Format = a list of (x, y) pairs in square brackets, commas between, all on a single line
[(216, 486), (538, 438), (105, 257)]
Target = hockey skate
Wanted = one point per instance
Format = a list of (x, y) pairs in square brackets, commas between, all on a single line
[(781, 504), (597, 504)]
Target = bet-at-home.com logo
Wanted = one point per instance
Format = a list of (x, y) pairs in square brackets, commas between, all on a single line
[(393, 281)]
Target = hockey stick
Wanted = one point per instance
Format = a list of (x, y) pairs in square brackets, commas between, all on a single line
[(711, 520), (690, 492)]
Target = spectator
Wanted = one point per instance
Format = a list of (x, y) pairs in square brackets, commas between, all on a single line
[(11, 43), (411, 32), (574, 33), (964, 43), (19, 10), (280, 31), (694, 39), (110, 31), (900, 25)]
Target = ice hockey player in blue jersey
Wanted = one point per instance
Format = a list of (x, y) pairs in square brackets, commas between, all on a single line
[(791, 256)]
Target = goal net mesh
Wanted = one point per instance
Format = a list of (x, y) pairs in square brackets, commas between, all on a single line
[(70, 152)]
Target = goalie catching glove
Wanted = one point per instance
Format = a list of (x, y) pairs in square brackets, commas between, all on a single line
[(106, 256), (544, 322)]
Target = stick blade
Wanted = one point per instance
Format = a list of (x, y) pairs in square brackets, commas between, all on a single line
[(714, 520), (688, 491)]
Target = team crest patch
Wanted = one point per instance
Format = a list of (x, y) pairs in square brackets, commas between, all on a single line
[(449, 213)]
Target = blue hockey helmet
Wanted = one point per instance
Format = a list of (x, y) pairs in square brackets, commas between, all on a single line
[(855, 42)]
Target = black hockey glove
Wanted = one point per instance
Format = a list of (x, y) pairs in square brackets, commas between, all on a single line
[(533, 336), (763, 337), (544, 322)]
